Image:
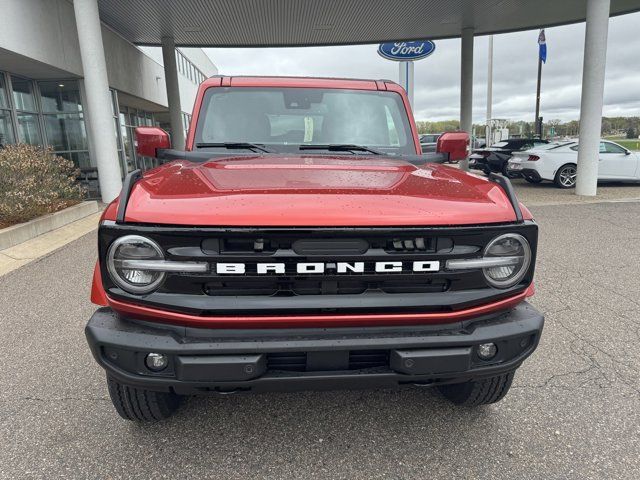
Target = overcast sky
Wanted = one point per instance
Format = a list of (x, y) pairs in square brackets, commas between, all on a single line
[(437, 78)]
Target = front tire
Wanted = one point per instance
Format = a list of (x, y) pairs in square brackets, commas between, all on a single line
[(141, 405), (566, 176), (478, 392)]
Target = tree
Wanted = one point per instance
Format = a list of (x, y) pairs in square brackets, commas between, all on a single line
[(552, 127), (629, 126)]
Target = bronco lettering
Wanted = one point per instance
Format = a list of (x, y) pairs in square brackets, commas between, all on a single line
[(320, 267)]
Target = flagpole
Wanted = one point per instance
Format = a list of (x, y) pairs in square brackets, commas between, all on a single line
[(538, 127), (488, 141), (542, 57)]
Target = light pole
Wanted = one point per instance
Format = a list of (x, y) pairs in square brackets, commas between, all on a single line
[(489, 92), (406, 74)]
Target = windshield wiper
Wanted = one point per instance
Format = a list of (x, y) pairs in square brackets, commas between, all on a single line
[(235, 146), (341, 148)]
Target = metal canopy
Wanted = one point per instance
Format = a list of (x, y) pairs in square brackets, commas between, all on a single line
[(261, 23)]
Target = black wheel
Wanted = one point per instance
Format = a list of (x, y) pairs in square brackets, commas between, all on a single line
[(141, 405), (478, 392), (566, 176), (533, 179)]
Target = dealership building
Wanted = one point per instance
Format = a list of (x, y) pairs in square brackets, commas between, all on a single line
[(43, 94)]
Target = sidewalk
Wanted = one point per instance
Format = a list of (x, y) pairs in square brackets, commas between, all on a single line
[(19, 255)]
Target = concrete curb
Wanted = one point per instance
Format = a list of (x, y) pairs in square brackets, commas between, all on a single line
[(23, 232)]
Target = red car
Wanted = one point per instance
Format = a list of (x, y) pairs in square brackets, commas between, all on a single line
[(303, 241)]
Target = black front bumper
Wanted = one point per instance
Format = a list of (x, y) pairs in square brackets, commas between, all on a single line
[(208, 361)]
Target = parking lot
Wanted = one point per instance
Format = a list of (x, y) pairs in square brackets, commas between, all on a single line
[(573, 412)]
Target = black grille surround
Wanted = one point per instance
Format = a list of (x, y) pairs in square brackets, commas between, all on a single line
[(210, 294)]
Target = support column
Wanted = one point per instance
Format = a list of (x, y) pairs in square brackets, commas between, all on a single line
[(98, 108), (595, 55), (173, 92), (466, 87), (406, 75)]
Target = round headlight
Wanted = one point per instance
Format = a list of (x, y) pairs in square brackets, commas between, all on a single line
[(134, 247), (516, 252)]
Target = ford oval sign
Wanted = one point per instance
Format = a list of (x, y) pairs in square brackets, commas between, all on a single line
[(405, 51)]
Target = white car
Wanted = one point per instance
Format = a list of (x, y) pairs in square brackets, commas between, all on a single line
[(557, 162)]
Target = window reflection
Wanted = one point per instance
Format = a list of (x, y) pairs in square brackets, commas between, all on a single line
[(64, 126), (23, 97), (6, 125), (29, 129), (6, 129), (131, 118), (60, 96), (4, 102), (66, 132)]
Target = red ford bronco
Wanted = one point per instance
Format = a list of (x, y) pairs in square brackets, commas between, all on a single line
[(303, 241)]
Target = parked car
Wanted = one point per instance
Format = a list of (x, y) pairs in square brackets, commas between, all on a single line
[(297, 244), (478, 142), (428, 141), (495, 157), (557, 162)]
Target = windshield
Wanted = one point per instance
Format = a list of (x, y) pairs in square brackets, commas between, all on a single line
[(283, 119), (429, 138)]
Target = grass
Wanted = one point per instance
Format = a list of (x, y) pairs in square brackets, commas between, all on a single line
[(633, 144)]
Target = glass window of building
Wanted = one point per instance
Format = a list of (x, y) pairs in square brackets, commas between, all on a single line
[(6, 125), (119, 141), (6, 128), (29, 129), (4, 102), (131, 118), (60, 96), (179, 60), (28, 126), (23, 96), (127, 142), (66, 132), (64, 121), (186, 121)]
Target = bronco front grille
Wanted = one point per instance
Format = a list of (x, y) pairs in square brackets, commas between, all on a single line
[(287, 291), (328, 285)]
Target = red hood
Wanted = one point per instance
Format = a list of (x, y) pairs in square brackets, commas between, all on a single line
[(314, 191)]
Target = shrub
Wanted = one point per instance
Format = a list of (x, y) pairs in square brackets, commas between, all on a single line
[(33, 182)]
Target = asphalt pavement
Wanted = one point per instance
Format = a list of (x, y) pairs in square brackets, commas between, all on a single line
[(573, 412)]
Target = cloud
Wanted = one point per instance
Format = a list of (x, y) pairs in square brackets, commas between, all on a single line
[(437, 78)]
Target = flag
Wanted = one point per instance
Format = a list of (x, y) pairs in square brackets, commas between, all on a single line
[(542, 46)]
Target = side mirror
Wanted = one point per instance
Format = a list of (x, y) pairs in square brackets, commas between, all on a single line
[(150, 139), (455, 144), (627, 152)]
